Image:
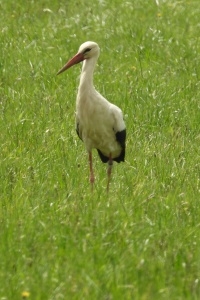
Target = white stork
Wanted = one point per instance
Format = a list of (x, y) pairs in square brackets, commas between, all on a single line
[(99, 123)]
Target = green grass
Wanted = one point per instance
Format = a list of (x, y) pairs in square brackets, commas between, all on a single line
[(57, 240)]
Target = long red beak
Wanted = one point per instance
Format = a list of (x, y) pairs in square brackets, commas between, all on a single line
[(75, 60)]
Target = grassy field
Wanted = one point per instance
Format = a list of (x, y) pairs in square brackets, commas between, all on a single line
[(57, 240)]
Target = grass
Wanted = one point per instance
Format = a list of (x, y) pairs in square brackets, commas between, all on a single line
[(57, 240)]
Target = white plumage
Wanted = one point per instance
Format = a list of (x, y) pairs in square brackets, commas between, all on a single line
[(99, 123)]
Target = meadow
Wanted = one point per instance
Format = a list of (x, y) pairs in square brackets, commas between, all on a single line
[(57, 239)]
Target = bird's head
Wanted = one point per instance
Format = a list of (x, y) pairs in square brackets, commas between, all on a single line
[(86, 51)]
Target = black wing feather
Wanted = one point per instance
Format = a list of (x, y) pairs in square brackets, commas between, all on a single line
[(104, 158), (121, 138), (77, 130)]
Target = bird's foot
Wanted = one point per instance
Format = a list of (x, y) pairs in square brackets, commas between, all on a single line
[(92, 181)]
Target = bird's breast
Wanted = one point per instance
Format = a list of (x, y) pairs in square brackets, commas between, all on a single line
[(97, 122), (97, 132)]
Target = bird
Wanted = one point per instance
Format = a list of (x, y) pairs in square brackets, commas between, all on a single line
[(99, 123)]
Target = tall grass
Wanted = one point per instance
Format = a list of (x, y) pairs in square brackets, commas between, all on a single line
[(57, 240)]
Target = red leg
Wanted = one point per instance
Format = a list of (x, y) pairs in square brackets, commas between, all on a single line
[(110, 163), (91, 170)]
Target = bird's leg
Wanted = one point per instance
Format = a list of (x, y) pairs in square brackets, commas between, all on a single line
[(91, 170), (110, 163)]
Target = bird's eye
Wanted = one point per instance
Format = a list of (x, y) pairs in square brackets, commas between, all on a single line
[(86, 50)]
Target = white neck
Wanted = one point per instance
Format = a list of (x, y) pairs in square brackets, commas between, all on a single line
[(86, 80)]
